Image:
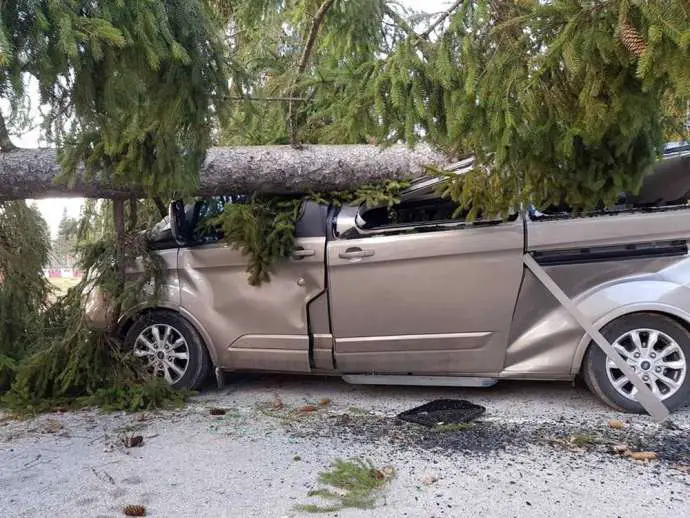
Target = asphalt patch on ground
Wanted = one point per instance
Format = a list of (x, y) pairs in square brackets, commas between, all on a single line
[(671, 443)]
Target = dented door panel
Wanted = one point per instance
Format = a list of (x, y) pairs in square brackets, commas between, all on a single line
[(253, 327)]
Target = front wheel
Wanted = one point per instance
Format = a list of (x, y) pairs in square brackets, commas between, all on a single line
[(656, 347), (170, 348)]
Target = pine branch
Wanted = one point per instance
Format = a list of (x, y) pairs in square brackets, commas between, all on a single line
[(119, 222), (425, 35), (401, 22), (266, 99), (304, 60), (6, 143), (313, 32)]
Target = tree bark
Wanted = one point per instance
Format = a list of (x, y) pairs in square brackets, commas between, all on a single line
[(31, 173), (119, 221), (425, 35), (5, 140), (162, 207), (301, 67)]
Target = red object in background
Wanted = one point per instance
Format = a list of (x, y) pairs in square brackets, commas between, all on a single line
[(68, 273)]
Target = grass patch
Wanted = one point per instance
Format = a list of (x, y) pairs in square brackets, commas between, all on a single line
[(349, 484), (61, 285), (583, 440)]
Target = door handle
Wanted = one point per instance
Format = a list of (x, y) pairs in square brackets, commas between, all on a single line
[(301, 253), (355, 253)]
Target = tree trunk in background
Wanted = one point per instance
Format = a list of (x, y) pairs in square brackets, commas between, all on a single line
[(119, 222), (30, 173)]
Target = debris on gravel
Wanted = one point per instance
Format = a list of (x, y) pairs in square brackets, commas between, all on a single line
[(132, 441), (616, 424), (134, 510), (429, 478), (354, 483), (643, 455), (443, 412), (261, 458), (52, 426), (487, 436)]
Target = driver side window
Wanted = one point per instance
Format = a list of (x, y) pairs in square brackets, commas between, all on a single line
[(205, 211), (428, 214), (410, 212)]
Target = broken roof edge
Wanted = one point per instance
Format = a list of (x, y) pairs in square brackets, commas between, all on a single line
[(667, 180)]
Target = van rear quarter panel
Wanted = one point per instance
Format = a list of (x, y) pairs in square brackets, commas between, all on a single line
[(545, 341)]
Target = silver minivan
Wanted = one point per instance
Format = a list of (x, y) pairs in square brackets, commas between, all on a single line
[(410, 295)]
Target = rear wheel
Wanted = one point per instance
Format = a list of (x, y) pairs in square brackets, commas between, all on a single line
[(170, 348), (656, 347)]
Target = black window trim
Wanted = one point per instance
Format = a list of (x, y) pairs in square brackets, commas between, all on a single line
[(445, 225), (617, 252)]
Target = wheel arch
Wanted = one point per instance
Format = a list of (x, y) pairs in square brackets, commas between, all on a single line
[(676, 314), (129, 318)]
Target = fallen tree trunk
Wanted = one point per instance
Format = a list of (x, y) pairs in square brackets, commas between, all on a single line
[(31, 173)]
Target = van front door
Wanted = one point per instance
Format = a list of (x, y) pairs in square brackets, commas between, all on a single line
[(261, 327)]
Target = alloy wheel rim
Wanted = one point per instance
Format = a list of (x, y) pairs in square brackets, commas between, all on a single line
[(164, 350), (655, 357)]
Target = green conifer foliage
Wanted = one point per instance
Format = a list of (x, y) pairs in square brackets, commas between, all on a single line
[(264, 228), (563, 99), (560, 99), (23, 287), (267, 40), (133, 85), (132, 89)]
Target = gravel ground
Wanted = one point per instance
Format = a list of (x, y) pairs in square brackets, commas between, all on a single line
[(541, 449)]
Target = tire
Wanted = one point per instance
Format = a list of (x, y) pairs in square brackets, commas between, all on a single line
[(166, 358), (652, 361)]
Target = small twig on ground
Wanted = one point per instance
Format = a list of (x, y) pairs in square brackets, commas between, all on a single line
[(105, 478), (33, 461)]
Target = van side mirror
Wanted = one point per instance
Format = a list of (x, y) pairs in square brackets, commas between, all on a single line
[(178, 222)]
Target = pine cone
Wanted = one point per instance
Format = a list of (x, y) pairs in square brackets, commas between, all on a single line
[(631, 39), (134, 510)]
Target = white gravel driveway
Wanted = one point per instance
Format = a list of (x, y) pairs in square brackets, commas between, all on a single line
[(542, 449)]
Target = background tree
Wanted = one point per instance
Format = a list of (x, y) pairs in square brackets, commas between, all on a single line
[(23, 287), (63, 246), (97, 65)]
